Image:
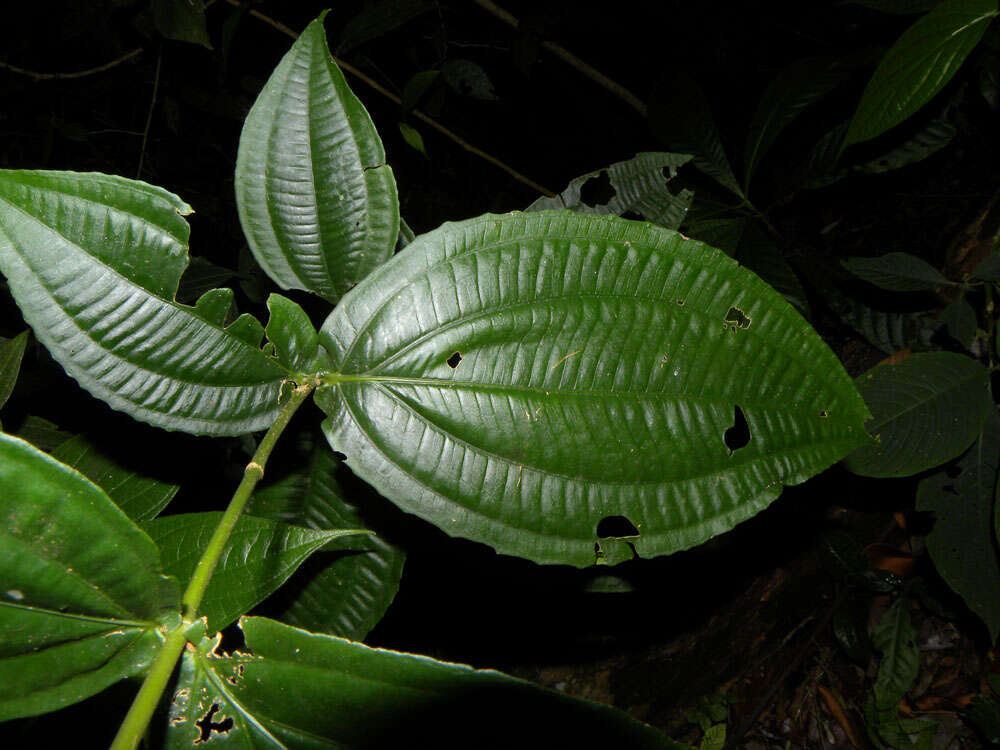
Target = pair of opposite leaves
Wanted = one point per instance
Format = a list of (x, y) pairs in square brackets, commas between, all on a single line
[(600, 362)]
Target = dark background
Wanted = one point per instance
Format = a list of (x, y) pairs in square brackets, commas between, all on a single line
[(460, 601)]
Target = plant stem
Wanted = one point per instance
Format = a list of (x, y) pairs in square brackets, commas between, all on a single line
[(146, 700)]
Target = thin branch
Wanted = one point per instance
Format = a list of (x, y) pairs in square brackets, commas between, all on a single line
[(149, 115), (416, 113), (78, 74), (570, 59)]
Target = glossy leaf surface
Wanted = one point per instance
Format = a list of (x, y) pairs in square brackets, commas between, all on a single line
[(82, 592), (142, 498), (961, 542), (926, 410), (347, 587), (639, 185), (260, 556), (295, 340), (300, 690), (516, 379), (897, 272), (919, 64), (316, 199), (93, 261)]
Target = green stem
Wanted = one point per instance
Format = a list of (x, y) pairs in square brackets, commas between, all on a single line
[(148, 697)]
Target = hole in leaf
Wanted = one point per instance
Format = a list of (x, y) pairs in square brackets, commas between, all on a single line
[(633, 215), (339, 456), (207, 726), (824, 414), (597, 191), (454, 359), (736, 317), (737, 436), (616, 527)]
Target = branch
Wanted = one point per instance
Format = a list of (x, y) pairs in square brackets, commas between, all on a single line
[(570, 59), (78, 74), (416, 113)]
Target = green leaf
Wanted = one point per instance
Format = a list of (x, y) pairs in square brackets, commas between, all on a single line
[(960, 321), (889, 331), (378, 18), (412, 137), (202, 276), (926, 410), (988, 268), (714, 739), (895, 638), (681, 118), (296, 342), (316, 199), (516, 379), (345, 589), (183, 20), (82, 591), (759, 252), (300, 690), (962, 543), (919, 64), (795, 88), (639, 184), (416, 87), (897, 272), (11, 354), (42, 433), (260, 556), (930, 139), (820, 166), (724, 234), (142, 498), (468, 78), (93, 261), (850, 628)]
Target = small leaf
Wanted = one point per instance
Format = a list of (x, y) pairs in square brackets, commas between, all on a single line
[(820, 167), (289, 329), (142, 498), (889, 331), (42, 433), (897, 272), (183, 20), (639, 185), (93, 261), (416, 87), (300, 690), (793, 90), (960, 321), (517, 379), (926, 410), (347, 587), (378, 18), (930, 139), (714, 739), (761, 254), (962, 543), (919, 64), (468, 79), (850, 628), (681, 118), (82, 593), (260, 556), (11, 354), (315, 197), (412, 137), (895, 638)]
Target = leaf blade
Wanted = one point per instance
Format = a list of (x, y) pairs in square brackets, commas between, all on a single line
[(11, 354)]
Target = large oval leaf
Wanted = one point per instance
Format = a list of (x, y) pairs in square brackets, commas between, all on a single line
[(316, 199), (926, 410), (94, 261), (346, 588), (517, 379), (81, 592), (919, 64), (301, 690)]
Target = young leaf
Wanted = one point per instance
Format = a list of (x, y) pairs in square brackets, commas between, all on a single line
[(346, 588), (412, 137), (11, 354), (316, 199), (183, 20), (681, 117), (640, 185), (82, 593), (919, 64), (516, 379), (895, 638), (962, 544), (296, 342), (300, 690), (260, 556), (93, 261), (897, 272), (792, 91), (926, 410), (142, 498)]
